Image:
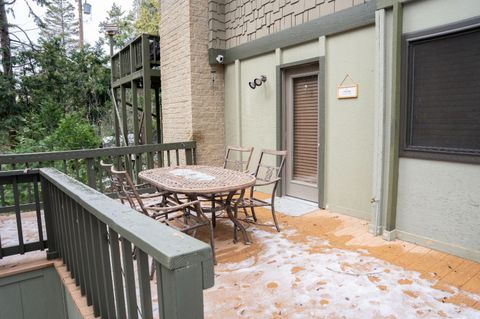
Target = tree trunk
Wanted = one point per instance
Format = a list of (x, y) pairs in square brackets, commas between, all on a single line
[(5, 42), (9, 102)]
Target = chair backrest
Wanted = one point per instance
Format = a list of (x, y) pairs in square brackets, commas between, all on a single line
[(126, 190), (240, 164), (266, 173)]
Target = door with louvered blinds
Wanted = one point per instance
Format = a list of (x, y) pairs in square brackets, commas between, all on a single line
[(302, 133)]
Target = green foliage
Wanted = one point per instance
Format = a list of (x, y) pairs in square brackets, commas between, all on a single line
[(125, 23), (148, 19), (73, 133), (60, 22), (144, 18)]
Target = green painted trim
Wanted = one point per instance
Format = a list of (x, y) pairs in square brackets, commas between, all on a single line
[(321, 124), (448, 248), (395, 117), (348, 19), (386, 4), (321, 131)]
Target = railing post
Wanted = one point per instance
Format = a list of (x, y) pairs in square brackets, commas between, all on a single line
[(180, 292), (52, 252)]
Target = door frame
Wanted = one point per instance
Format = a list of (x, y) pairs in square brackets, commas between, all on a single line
[(281, 119), (310, 190)]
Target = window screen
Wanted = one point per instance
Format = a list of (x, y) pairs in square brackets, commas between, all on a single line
[(442, 102)]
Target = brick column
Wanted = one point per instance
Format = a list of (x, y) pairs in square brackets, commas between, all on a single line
[(192, 90)]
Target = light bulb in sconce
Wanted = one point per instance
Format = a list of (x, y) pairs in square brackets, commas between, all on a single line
[(257, 81)]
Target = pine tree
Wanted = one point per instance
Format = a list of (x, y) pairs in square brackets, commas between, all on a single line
[(124, 22), (60, 22), (148, 17)]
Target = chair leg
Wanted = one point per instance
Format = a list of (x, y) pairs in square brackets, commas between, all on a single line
[(253, 214), (152, 269), (212, 242), (235, 226), (275, 218), (214, 214)]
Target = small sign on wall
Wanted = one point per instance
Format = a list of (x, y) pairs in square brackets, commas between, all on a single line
[(347, 91)]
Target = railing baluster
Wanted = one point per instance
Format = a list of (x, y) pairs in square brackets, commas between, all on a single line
[(16, 199), (77, 169), (90, 248), (90, 173), (68, 232), (95, 238), (54, 216), (65, 166), (129, 279), (106, 269), (117, 274), (37, 209), (189, 156), (63, 229), (74, 239), (168, 159), (82, 267), (144, 285), (2, 196), (177, 156)]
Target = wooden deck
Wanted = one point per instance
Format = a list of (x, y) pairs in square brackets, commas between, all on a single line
[(336, 267), (426, 278)]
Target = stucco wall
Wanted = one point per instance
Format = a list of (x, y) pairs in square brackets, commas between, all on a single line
[(349, 123), (234, 22), (439, 202), (349, 129)]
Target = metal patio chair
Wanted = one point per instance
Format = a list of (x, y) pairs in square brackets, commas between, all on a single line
[(266, 175), (186, 217), (237, 164)]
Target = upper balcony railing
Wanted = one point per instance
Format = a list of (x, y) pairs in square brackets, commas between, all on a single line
[(142, 52)]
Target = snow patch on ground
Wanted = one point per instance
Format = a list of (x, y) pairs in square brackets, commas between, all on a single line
[(288, 280)]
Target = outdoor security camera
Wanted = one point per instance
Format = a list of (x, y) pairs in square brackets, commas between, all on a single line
[(220, 58)]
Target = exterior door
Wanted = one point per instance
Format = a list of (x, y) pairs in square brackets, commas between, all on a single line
[(302, 138)]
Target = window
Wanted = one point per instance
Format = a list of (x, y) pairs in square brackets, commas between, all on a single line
[(441, 94)]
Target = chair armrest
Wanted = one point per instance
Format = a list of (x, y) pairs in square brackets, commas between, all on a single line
[(267, 183)]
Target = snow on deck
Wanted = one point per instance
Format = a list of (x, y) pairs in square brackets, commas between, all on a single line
[(293, 275)]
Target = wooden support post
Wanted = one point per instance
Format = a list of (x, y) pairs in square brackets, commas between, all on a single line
[(147, 97), (123, 105), (116, 119), (158, 112)]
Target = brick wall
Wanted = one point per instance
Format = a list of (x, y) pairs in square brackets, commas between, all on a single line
[(234, 22), (192, 103)]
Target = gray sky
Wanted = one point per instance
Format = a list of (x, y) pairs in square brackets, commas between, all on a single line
[(91, 22)]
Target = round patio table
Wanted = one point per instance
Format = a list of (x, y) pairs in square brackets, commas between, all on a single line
[(199, 180)]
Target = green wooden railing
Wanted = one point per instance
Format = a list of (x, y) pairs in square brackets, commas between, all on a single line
[(107, 246), (84, 165), (130, 59)]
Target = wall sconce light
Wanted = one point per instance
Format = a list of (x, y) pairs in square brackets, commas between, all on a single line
[(257, 81)]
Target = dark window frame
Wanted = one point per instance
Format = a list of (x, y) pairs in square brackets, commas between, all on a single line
[(406, 104)]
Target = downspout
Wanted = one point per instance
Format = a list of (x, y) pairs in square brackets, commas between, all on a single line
[(375, 226), (238, 100)]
